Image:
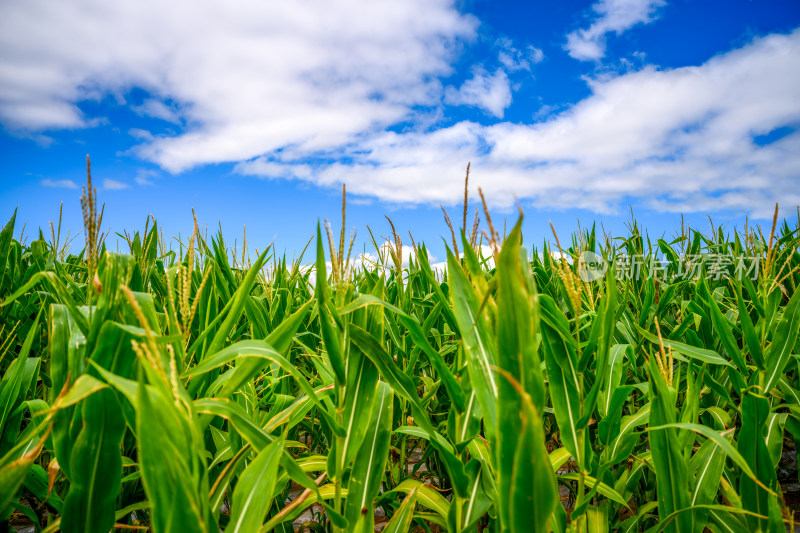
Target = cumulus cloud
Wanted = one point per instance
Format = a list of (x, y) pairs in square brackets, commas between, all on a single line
[(679, 139), (63, 184), (248, 80), (613, 16), (678, 134), (490, 92)]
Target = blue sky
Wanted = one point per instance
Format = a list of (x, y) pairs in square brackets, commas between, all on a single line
[(254, 113)]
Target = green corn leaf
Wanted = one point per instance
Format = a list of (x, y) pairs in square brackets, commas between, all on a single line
[(666, 447), (10, 389), (169, 466), (84, 387), (297, 411), (333, 343), (219, 490), (6, 236), (727, 521), (526, 485), (725, 332), (602, 488), (362, 388), (368, 470), (720, 441), (426, 495), (632, 524), (609, 426), (279, 341), (616, 357), (754, 452), (701, 354), (417, 335), (479, 344), (127, 387), (14, 467), (96, 464), (261, 350), (58, 287), (783, 341), (404, 387), (325, 492), (255, 489), (597, 519), (533, 495), (448, 313), (420, 433), (237, 306), (477, 502), (37, 483), (239, 419), (707, 464), (402, 518), (774, 436), (564, 391), (749, 332), (559, 457)]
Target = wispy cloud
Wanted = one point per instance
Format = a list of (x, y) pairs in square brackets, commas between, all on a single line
[(145, 176), (62, 184), (141, 135), (114, 185), (613, 16), (490, 92), (513, 58)]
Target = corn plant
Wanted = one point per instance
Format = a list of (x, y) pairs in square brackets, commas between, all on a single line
[(183, 386)]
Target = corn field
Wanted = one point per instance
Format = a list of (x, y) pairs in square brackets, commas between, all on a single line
[(181, 387)]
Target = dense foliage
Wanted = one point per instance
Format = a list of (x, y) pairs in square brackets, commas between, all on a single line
[(197, 390)]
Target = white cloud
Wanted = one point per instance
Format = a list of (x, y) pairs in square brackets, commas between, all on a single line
[(114, 185), (678, 139), (247, 79), (681, 133), (63, 184), (157, 109), (614, 16), (411, 167), (275, 169), (490, 92), (145, 176), (283, 89), (513, 59)]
